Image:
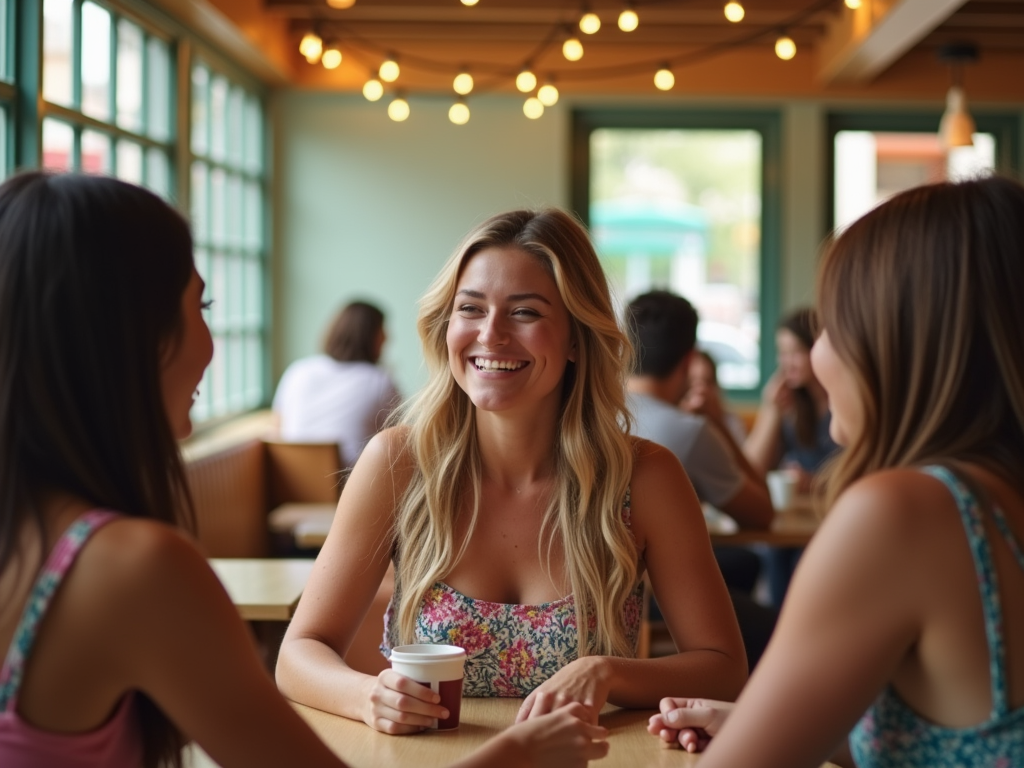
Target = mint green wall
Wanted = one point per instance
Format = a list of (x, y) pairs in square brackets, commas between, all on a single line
[(369, 208)]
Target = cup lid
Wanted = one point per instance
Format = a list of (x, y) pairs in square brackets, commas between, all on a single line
[(427, 652)]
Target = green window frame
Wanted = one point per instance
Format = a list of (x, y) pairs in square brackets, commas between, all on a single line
[(766, 122)]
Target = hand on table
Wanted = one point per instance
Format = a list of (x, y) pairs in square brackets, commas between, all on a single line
[(585, 680), (400, 705), (559, 739), (691, 722)]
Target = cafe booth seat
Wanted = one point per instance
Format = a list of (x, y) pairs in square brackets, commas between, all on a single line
[(238, 476)]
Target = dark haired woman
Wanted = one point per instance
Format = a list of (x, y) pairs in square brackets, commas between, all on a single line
[(341, 395), (903, 635), (121, 642), (791, 430)]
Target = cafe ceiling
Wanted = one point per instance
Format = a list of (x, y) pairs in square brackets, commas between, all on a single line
[(888, 47)]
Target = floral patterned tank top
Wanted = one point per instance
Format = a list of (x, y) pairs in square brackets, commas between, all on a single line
[(892, 735), (510, 649)]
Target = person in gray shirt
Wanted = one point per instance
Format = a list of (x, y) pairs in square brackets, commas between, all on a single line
[(663, 329)]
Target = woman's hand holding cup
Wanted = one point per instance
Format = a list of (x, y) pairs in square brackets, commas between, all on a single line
[(400, 705)]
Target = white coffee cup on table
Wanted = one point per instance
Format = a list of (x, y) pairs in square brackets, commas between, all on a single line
[(438, 667), (782, 487)]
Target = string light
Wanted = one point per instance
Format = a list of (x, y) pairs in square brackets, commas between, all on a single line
[(785, 48), (526, 81), (853, 5), (463, 83), (734, 12), (628, 20), (373, 89), (459, 113), (398, 109), (589, 23), (664, 80), (572, 49), (311, 46), (341, 5), (331, 57), (389, 70), (533, 108), (548, 95)]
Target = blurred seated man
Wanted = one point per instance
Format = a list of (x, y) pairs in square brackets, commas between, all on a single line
[(663, 329)]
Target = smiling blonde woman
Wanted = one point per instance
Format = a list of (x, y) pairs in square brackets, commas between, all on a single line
[(517, 509)]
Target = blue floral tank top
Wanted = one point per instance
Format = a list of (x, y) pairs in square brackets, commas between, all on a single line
[(510, 649), (891, 735)]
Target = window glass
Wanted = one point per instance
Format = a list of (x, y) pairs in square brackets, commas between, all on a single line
[(200, 203), (96, 152), (5, 49), (218, 118), (158, 171), (680, 209), (129, 76), (158, 84), (58, 145), (253, 136), (872, 166), (200, 110), (57, 48), (129, 161), (95, 61)]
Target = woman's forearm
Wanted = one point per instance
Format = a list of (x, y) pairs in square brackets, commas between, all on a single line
[(642, 683), (762, 444), (312, 673)]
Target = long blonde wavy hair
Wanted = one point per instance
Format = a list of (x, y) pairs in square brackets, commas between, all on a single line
[(922, 300), (593, 456)]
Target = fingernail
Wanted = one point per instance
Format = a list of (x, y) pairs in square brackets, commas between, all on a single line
[(672, 715), (444, 714)]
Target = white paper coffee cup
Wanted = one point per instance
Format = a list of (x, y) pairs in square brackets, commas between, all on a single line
[(782, 488), (439, 668)]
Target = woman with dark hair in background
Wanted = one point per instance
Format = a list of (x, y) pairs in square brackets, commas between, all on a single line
[(791, 430), (122, 644), (341, 395)]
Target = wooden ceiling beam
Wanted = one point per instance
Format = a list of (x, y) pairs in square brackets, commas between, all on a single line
[(861, 44)]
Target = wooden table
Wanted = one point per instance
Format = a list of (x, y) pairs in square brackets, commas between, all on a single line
[(362, 747), (263, 589), (307, 523), (792, 527)]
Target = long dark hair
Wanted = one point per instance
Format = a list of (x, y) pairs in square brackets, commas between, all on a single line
[(921, 300), (352, 336), (92, 271), (801, 323)]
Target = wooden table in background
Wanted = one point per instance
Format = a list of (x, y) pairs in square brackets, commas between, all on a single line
[(263, 589), (362, 747), (792, 527)]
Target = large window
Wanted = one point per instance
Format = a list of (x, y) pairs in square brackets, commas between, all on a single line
[(874, 156), (111, 103), (228, 222), (681, 202)]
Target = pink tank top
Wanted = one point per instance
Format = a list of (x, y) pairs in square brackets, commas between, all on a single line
[(115, 744)]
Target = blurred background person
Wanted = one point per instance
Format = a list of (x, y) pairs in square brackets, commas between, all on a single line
[(791, 430), (341, 395), (704, 396)]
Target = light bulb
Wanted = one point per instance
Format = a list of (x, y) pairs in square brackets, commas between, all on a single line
[(628, 20), (533, 108), (341, 4), (311, 46), (853, 5), (526, 81), (373, 90), (590, 23), (470, 2), (664, 80), (459, 113), (734, 12), (389, 71), (398, 110), (785, 48), (331, 57), (463, 83), (572, 49), (548, 95)]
